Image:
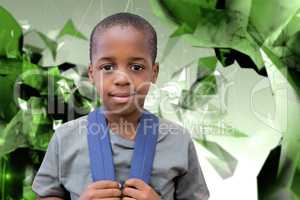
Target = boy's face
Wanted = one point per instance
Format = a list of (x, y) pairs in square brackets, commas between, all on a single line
[(122, 69)]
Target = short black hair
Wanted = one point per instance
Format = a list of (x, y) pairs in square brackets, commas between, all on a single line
[(126, 19)]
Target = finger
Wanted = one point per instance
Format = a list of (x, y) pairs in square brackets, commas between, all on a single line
[(132, 192), (106, 193), (137, 183), (105, 184)]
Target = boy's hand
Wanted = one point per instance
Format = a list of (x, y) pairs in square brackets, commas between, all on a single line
[(136, 189), (102, 190)]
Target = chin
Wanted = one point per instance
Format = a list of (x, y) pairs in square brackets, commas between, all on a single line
[(122, 109)]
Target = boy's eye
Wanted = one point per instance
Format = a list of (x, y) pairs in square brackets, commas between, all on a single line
[(137, 67), (107, 67)]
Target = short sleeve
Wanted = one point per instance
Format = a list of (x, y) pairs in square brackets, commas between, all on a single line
[(191, 185), (47, 182)]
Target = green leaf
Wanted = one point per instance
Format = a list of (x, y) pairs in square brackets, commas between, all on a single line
[(38, 129), (70, 29), (199, 93), (28, 128), (225, 56), (43, 79), (287, 49), (33, 76), (208, 27), (204, 86), (181, 30), (50, 44), (9, 72), (10, 35), (2, 127), (223, 162), (13, 135), (266, 31), (243, 7), (290, 29), (204, 4), (268, 18), (8, 106), (63, 87), (81, 104), (281, 77), (28, 194), (53, 71), (87, 90), (33, 53), (161, 11), (273, 61), (206, 66), (187, 14), (10, 67), (296, 180)]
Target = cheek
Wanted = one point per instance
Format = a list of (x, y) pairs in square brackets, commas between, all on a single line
[(142, 86), (144, 82), (100, 84)]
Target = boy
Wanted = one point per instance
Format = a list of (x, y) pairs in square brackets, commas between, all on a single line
[(122, 55)]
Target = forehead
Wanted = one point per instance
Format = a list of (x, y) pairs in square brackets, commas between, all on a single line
[(120, 41)]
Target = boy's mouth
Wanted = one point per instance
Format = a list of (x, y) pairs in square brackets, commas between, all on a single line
[(121, 97)]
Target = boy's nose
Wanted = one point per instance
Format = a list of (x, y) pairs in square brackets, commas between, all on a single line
[(121, 78)]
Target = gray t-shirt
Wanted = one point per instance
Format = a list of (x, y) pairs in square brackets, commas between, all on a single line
[(176, 173)]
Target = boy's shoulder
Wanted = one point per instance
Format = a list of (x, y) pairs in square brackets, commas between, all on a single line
[(72, 130), (173, 131), (73, 125)]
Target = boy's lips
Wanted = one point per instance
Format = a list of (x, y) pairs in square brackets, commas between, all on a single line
[(121, 97)]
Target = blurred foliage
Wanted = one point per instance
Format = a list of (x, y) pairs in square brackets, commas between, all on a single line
[(262, 35), (35, 99)]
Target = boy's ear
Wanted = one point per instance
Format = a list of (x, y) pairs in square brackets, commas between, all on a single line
[(155, 70), (90, 73)]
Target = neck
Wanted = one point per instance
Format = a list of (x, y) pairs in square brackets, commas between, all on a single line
[(124, 124)]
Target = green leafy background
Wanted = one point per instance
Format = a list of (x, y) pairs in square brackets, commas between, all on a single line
[(230, 74)]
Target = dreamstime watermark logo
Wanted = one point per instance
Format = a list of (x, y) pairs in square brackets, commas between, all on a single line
[(124, 128), (54, 101), (278, 119), (56, 104), (60, 98)]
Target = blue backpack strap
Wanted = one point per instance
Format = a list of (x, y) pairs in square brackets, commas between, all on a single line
[(100, 151), (144, 148)]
